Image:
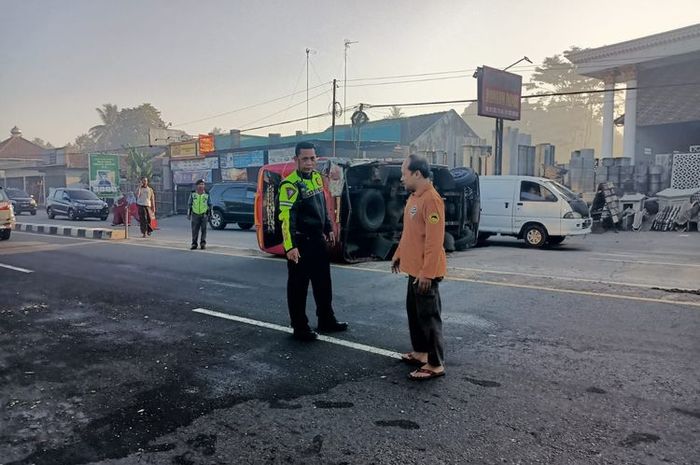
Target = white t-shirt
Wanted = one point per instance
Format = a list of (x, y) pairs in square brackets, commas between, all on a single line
[(144, 196)]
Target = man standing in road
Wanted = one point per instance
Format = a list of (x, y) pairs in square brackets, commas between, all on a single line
[(198, 209), (422, 256), (146, 201), (307, 231)]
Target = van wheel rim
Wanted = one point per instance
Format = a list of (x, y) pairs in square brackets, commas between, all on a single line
[(534, 236), (216, 220)]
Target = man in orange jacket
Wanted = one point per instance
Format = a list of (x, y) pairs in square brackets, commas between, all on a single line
[(421, 255)]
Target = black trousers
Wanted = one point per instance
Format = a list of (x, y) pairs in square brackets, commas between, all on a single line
[(145, 220), (199, 223), (425, 322), (314, 266)]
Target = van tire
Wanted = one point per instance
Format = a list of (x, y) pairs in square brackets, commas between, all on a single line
[(556, 240), (370, 210), (535, 236), (5, 234), (482, 238)]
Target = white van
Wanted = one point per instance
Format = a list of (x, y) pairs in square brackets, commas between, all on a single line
[(538, 210)]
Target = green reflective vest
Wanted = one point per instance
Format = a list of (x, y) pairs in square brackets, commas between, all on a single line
[(200, 203)]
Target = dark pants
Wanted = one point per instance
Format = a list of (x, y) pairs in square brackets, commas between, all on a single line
[(199, 222), (145, 219), (425, 322), (314, 265)]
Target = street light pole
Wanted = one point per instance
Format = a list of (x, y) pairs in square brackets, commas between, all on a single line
[(345, 80)]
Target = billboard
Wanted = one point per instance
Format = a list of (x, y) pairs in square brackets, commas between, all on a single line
[(242, 159), (183, 149), (210, 163), (206, 143), (499, 93), (104, 174)]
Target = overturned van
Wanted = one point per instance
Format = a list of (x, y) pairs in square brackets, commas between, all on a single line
[(365, 200)]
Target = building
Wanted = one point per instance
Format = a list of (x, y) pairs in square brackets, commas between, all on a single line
[(662, 96), (19, 159)]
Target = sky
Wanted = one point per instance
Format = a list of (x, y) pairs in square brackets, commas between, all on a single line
[(193, 60)]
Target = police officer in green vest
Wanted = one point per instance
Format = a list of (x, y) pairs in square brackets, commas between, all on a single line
[(198, 208), (307, 231)]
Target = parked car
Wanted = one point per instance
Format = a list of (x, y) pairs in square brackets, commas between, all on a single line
[(21, 201), (365, 200), (232, 202), (76, 204), (537, 210), (7, 216)]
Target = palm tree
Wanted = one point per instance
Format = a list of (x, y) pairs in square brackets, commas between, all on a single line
[(104, 133), (395, 113), (140, 164)]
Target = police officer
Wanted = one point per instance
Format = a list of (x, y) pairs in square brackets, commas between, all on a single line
[(307, 229), (198, 208)]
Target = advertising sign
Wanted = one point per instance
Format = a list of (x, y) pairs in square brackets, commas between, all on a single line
[(104, 174), (206, 143), (183, 149), (499, 93), (242, 159), (210, 163)]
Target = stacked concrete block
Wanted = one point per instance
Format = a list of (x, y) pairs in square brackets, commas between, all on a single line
[(582, 170)]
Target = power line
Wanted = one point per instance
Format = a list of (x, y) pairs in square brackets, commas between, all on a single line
[(249, 106), (288, 108), (286, 122), (548, 94)]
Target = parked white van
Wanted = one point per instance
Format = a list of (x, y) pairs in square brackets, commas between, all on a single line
[(538, 210)]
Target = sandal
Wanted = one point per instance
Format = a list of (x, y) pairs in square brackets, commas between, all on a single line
[(411, 360), (431, 374)]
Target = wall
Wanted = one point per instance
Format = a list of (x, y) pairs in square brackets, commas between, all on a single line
[(449, 135)]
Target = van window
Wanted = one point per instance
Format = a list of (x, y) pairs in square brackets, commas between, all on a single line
[(534, 192)]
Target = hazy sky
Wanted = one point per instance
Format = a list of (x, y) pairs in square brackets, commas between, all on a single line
[(60, 59)]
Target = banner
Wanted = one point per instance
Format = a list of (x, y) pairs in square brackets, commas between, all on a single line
[(211, 163), (234, 174), (104, 174), (206, 143), (190, 177), (242, 159), (183, 149)]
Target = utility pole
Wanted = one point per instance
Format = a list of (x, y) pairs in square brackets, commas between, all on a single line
[(345, 80), (308, 50), (333, 113)]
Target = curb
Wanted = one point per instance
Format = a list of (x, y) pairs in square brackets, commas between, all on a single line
[(71, 231)]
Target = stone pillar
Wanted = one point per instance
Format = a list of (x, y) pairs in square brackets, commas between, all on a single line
[(630, 120), (608, 118)]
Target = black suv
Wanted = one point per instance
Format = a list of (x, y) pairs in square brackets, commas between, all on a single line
[(232, 202), (21, 201), (76, 204)]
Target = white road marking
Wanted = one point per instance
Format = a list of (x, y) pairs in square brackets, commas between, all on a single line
[(644, 262), (288, 330), (226, 284), (15, 268), (564, 278)]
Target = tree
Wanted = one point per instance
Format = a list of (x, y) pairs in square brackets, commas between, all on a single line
[(139, 164), (395, 113), (216, 131), (125, 127), (40, 142), (83, 143), (570, 122)]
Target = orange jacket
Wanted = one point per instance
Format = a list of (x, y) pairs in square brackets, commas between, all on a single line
[(421, 251)]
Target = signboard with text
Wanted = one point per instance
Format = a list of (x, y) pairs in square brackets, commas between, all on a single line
[(183, 149), (499, 93), (211, 163), (104, 174), (206, 143), (242, 159)]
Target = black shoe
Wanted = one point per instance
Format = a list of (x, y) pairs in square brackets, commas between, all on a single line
[(194, 247), (305, 335), (203, 246), (332, 327)]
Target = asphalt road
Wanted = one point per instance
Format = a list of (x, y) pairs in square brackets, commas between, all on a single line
[(103, 360)]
